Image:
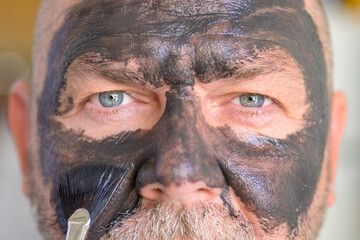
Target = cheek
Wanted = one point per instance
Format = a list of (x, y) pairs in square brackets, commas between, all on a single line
[(78, 170), (275, 179)]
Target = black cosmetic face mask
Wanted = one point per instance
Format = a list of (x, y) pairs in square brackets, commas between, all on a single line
[(275, 178)]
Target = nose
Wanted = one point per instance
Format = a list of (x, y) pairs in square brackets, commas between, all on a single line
[(182, 167), (175, 176), (187, 192)]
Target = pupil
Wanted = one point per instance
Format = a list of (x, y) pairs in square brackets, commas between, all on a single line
[(111, 99), (252, 100)]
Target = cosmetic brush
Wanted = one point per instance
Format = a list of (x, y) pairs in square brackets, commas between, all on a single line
[(84, 192), (78, 225)]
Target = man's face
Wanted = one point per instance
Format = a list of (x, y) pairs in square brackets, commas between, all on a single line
[(210, 118)]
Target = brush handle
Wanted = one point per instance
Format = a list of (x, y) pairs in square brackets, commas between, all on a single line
[(78, 225)]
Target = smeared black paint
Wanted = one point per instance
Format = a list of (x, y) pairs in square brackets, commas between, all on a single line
[(179, 156), (90, 187), (276, 179)]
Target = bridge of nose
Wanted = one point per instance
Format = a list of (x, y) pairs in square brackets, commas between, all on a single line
[(182, 156)]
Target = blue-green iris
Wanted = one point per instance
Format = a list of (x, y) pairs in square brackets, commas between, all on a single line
[(252, 100), (111, 99)]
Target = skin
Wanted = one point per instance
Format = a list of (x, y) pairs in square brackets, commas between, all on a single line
[(183, 64)]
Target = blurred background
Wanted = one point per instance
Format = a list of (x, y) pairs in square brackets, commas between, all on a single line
[(17, 19)]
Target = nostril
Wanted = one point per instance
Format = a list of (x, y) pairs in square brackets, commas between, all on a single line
[(203, 190), (207, 194), (186, 192), (151, 193), (157, 191)]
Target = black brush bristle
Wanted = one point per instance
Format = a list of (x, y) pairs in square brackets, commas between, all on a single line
[(89, 187)]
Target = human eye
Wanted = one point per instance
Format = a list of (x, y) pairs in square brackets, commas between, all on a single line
[(252, 108), (111, 99), (246, 109), (109, 109), (113, 106), (252, 100)]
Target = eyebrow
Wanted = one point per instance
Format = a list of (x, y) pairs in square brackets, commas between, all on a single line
[(95, 64), (237, 73), (243, 69)]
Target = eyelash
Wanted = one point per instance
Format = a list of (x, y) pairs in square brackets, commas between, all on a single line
[(251, 113), (92, 110), (236, 110), (247, 116)]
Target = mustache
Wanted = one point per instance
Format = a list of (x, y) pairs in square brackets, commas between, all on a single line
[(176, 220), (144, 205)]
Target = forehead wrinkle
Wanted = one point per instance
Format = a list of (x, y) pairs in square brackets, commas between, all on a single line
[(210, 22), (172, 21), (272, 10), (194, 7), (129, 33)]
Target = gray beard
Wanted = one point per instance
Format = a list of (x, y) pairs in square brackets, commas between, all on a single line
[(159, 220)]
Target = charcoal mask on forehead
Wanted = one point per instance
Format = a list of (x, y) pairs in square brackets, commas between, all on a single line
[(275, 178)]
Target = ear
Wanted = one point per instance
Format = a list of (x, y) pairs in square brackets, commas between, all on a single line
[(338, 120), (18, 110)]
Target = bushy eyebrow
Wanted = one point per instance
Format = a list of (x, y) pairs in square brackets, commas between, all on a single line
[(96, 65)]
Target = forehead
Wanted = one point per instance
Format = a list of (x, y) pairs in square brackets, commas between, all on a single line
[(177, 39), (169, 30)]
